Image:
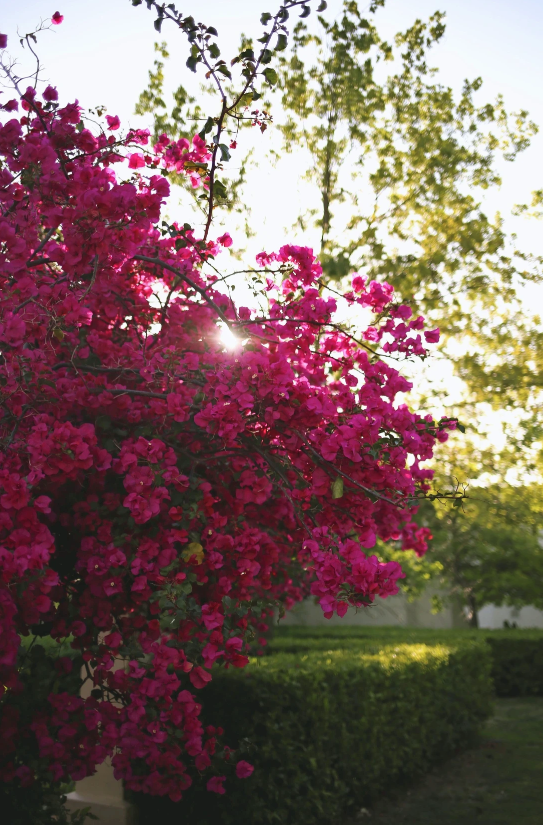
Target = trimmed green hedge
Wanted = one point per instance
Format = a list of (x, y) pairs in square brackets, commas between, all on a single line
[(333, 730), (517, 655), (517, 665)]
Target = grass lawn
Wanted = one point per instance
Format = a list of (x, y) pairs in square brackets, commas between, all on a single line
[(500, 782)]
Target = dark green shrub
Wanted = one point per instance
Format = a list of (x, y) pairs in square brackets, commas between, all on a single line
[(333, 730), (40, 802), (517, 664)]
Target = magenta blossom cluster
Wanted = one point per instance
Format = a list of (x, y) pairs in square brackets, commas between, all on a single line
[(162, 493)]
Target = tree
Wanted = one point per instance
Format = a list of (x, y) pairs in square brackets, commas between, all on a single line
[(489, 550), (162, 490), (414, 159), (400, 164)]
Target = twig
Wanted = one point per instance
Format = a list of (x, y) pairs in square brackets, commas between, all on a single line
[(47, 238), (189, 281)]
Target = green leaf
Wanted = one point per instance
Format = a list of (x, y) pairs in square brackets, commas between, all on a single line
[(265, 18), (225, 152), (158, 23), (212, 30), (206, 129), (270, 75), (282, 41), (322, 6), (337, 487), (214, 50), (192, 62), (266, 56), (103, 422), (224, 70), (306, 11), (219, 189)]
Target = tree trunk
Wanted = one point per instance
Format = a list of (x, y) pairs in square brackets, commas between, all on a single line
[(326, 196), (473, 618)]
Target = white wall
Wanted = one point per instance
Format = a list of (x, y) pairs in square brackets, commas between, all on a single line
[(397, 611), (493, 617), (394, 611)]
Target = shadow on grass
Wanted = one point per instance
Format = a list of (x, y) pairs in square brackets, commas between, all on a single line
[(500, 782)]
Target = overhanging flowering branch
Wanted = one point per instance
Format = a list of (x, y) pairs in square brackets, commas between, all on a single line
[(161, 493)]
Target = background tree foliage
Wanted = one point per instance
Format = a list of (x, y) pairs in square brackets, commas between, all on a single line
[(401, 164), (490, 551), (411, 212)]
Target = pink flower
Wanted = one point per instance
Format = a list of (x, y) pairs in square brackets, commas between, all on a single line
[(50, 94), (235, 643), (358, 283), (79, 628), (211, 617), (112, 586), (42, 603), (202, 761), (215, 784), (43, 504), (199, 677), (26, 776), (432, 336), (57, 18), (113, 123), (225, 240), (3, 41), (244, 769), (402, 311), (136, 161)]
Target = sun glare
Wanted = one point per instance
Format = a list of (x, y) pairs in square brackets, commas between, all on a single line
[(228, 338)]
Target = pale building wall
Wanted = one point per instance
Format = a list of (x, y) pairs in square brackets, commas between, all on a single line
[(493, 617), (397, 611), (101, 792), (394, 611)]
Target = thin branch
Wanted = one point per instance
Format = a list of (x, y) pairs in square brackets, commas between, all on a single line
[(93, 278), (39, 262), (47, 238), (16, 427), (187, 280), (145, 393)]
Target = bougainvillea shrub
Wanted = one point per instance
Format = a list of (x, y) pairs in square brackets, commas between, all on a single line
[(162, 491)]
